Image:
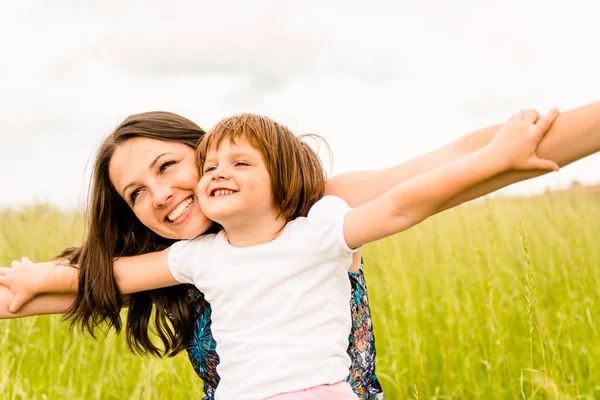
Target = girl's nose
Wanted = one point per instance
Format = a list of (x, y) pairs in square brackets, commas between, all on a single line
[(220, 172)]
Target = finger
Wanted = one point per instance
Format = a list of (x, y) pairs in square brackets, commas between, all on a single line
[(15, 263), (520, 114), (546, 165), (25, 259), (546, 121), (531, 115), (18, 302)]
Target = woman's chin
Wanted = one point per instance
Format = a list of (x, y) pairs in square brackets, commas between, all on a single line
[(191, 224), (194, 228)]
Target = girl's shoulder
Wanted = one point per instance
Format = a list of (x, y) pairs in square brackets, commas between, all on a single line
[(327, 204), (199, 241)]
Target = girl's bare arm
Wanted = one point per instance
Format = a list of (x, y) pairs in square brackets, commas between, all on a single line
[(574, 135), (407, 204), (26, 280)]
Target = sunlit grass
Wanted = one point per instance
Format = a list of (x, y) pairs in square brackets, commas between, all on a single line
[(498, 299)]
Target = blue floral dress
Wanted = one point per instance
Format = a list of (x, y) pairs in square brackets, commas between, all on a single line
[(361, 349)]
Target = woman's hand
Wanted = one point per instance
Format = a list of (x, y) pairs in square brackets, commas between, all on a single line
[(413, 201), (574, 135), (26, 280), (518, 139), (41, 305)]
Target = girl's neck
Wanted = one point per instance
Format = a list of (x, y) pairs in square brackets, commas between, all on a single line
[(252, 233)]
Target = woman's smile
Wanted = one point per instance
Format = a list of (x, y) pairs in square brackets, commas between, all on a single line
[(181, 211)]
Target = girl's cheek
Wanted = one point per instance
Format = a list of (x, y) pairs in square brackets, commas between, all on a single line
[(198, 190), (202, 184)]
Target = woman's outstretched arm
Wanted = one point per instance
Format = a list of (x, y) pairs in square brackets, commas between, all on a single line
[(132, 274), (574, 135), (514, 147), (40, 305)]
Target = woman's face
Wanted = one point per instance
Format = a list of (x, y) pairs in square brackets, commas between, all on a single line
[(157, 179)]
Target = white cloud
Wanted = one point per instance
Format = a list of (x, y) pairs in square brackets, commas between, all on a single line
[(382, 81)]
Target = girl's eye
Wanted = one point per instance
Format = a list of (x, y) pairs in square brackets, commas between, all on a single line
[(166, 165), (134, 195), (208, 169), (241, 164)]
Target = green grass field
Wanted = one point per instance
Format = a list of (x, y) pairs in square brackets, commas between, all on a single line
[(494, 300)]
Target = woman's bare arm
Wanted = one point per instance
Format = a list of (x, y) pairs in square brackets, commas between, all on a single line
[(514, 147), (40, 305), (26, 280), (574, 135)]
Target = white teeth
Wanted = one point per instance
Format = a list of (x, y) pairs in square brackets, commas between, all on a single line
[(183, 207), (222, 192)]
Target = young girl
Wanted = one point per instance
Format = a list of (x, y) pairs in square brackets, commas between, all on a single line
[(259, 181)]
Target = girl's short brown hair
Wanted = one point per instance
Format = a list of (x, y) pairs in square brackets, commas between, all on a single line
[(297, 175)]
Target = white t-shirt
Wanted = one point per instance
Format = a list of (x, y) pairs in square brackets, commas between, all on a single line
[(280, 310)]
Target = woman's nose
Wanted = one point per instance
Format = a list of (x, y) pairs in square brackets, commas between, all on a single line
[(161, 195)]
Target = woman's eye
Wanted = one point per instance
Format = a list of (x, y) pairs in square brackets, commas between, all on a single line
[(241, 164), (134, 195), (166, 165), (208, 169)]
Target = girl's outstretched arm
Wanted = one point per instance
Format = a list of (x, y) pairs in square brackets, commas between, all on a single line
[(133, 274), (144, 272), (574, 135), (514, 147), (26, 280)]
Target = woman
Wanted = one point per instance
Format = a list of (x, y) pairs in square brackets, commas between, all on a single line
[(126, 223), (574, 135)]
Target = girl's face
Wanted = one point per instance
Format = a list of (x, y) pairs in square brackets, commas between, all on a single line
[(236, 187), (157, 179)]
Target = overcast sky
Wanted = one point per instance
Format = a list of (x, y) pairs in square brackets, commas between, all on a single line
[(382, 81)]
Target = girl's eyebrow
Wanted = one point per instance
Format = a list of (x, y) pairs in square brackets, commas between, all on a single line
[(241, 154), (214, 156), (236, 154), (152, 164)]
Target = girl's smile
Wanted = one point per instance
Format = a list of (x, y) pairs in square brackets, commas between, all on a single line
[(222, 192)]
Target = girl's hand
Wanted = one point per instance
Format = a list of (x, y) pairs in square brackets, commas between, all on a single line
[(24, 279), (518, 139)]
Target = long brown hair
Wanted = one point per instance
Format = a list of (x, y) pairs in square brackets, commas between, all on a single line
[(113, 230), (297, 175)]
